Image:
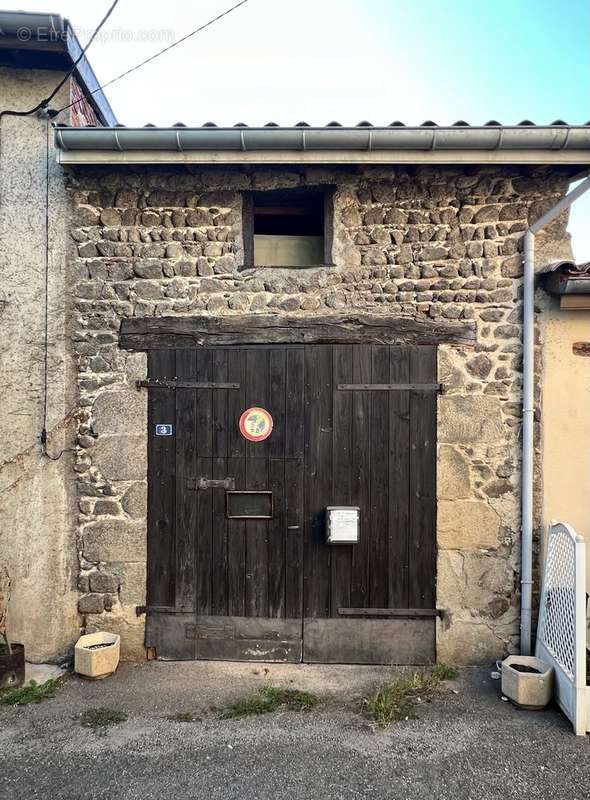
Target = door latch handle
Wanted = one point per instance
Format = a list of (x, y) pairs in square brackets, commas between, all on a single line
[(293, 527)]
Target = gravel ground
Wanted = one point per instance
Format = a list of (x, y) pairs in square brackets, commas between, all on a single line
[(466, 743)]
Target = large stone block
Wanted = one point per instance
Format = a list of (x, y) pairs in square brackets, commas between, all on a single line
[(133, 578), (486, 573), (450, 580), (469, 419), (130, 628), (467, 525), (114, 540), (104, 582), (91, 604), (480, 366), (450, 372), (121, 458), (480, 582), (453, 478), (134, 501), (469, 642), (106, 508), (120, 412), (135, 367)]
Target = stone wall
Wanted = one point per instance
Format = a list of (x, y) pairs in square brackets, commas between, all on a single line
[(431, 242)]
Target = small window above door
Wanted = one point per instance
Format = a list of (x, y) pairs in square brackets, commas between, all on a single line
[(288, 228)]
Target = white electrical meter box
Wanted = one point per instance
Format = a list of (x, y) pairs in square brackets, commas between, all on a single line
[(342, 524)]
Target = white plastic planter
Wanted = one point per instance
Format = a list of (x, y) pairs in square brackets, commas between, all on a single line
[(531, 690), (97, 662)]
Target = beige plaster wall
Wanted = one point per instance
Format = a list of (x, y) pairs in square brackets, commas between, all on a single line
[(566, 422), (37, 495)]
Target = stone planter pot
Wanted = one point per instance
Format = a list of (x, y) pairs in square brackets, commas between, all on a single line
[(12, 666), (527, 681), (96, 655)]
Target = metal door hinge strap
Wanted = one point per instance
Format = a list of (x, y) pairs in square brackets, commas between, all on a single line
[(391, 387), (206, 483), (388, 612), (139, 610), (175, 383)]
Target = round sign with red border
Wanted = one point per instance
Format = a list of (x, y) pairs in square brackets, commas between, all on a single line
[(256, 424)]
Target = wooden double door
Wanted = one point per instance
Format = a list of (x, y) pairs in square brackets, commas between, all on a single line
[(250, 576)]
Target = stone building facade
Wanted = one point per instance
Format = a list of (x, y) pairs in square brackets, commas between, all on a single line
[(430, 242)]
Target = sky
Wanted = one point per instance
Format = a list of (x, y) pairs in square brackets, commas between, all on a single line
[(346, 60)]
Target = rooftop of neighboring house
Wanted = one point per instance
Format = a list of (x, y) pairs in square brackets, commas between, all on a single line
[(48, 42), (570, 281)]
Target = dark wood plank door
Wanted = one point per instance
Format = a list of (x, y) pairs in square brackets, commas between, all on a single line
[(228, 588), (272, 589), (374, 448)]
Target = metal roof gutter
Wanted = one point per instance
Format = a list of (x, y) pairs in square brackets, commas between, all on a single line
[(24, 35), (14, 23), (573, 285), (566, 277), (488, 144)]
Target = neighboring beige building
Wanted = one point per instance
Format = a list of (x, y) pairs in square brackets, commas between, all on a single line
[(380, 372), (565, 333)]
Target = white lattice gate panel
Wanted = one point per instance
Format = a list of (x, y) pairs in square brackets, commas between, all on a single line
[(561, 635)]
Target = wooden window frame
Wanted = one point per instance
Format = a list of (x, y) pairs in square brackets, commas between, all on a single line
[(328, 192)]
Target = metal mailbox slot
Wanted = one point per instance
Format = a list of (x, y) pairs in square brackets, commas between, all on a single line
[(248, 505), (342, 524)]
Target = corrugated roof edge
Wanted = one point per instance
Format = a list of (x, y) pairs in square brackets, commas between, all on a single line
[(492, 123), (566, 278)]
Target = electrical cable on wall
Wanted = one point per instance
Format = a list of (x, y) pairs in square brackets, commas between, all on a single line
[(42, 105), (45, 102), (43, 437), (157, 55)]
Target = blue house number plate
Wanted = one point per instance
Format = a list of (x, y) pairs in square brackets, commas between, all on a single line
[(163, 430)]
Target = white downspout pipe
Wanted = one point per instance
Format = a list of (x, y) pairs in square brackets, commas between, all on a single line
[(528, 410)]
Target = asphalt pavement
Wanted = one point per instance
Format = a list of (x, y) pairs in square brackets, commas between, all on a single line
[(466, 744)]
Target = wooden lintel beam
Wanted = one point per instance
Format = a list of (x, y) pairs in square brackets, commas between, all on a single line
[(147, 333)]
